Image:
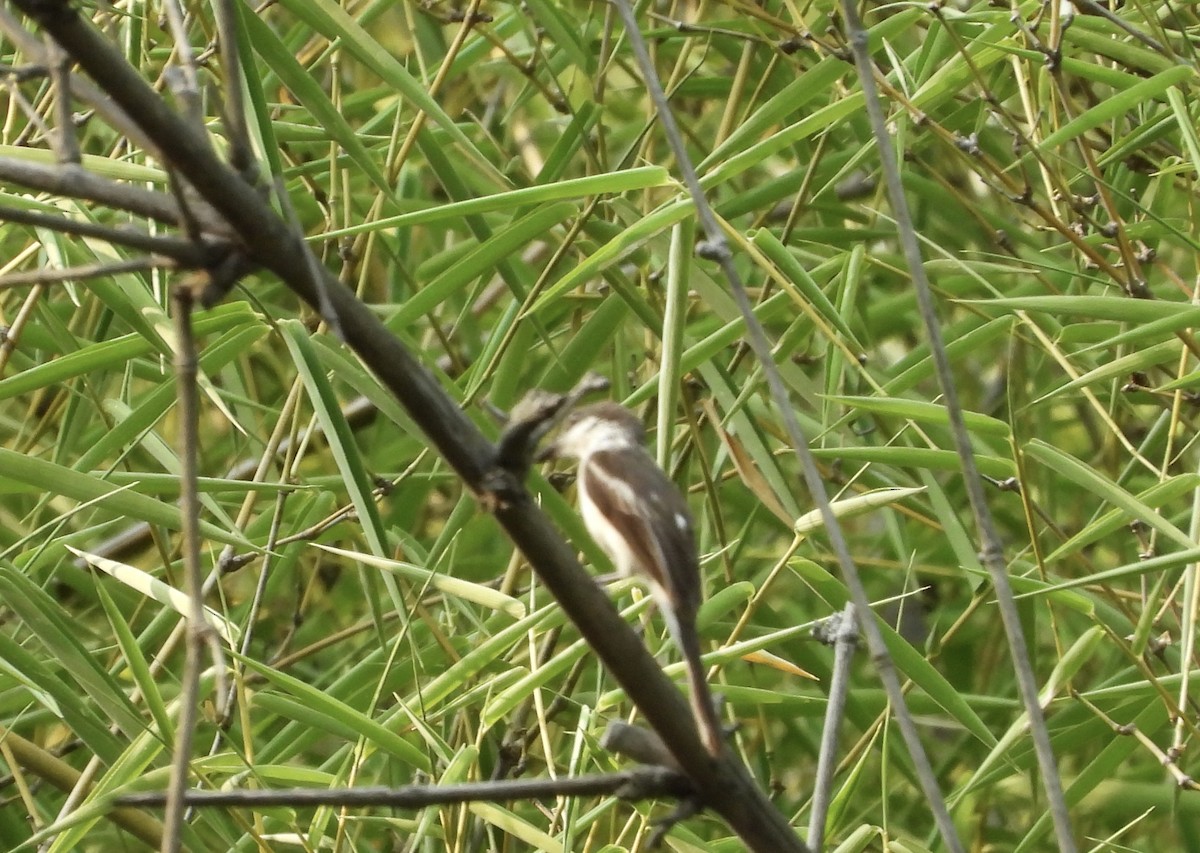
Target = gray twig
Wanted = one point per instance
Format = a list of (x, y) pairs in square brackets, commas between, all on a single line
[(65, 141), (241, 153), (637, 783), (840, 631), (82, 272), (189, 693), (83, 89), (716, 248), (185, 253), (72, 181), (992, 552)]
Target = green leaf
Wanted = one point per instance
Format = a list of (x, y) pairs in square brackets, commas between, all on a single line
[(336, 24), (338, 434), (309, 93), (909, 661), (53, 628), (1095, 483), (1120, 102), (924, 412), (480, 261), (1166, 493), (108, 354), (1137, 360), (156, 590), (855, 506), (476, 593), (1120, 308), (47, 477), (626, 180), (317, 708), (61, 699)]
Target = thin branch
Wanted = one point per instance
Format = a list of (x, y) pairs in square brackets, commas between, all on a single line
[(65, 141), (716, 248), (185, 253), (646, 782), (72, 181), (181, 82), (842, 632), (1183, 780), (992, 551), (1103, 11), (724, 784), (199, 632), (241, 152), (83, 272), (186, 58), (85, 90), (37, 122), (12, 335)]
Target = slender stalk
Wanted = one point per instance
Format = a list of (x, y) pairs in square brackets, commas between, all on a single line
[(241, 152), (717, 248), (72, 181), (844, 636), (189, 692), (185, 252), (82, 272), (992, 552), (640, 783), (66, 144)]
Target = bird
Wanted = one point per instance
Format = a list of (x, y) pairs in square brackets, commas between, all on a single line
[(639, 518)]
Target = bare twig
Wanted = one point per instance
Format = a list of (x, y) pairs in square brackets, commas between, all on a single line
[(185, 89), (1103, 11), (241, 153), (83, 272), (37, 122), (187, 58), (716, 248), (73, 181), (992, 552), (841, 631), (186, 253), (12, 334), (85, 90), (189, 693), (638, 783), (65, 142), (1166, 759)]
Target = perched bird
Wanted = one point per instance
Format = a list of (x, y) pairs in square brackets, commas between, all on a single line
[(639, 518)]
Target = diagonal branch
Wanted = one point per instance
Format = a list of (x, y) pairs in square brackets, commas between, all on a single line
[(724, 784)]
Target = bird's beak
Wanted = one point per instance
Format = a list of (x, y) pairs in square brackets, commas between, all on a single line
[(547, 453)]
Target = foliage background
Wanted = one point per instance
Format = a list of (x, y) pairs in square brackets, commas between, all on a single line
[(1045, 192)]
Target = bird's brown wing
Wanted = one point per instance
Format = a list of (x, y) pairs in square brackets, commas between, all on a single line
[(632, 491)]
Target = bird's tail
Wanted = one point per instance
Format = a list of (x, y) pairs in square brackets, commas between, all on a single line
[(703, 709)]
